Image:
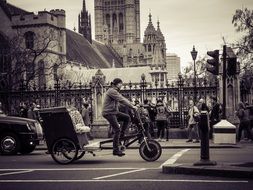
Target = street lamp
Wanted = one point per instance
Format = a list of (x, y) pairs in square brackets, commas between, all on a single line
[(180, 98), (194, 54), (143, 85)]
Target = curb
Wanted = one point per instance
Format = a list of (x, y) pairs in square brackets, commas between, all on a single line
[(220, 170)]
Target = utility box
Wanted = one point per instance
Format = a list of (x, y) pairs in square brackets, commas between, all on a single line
[(224, 133)]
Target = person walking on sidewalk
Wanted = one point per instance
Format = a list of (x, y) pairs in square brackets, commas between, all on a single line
[(192, 123), (243, 116), (111, 113)]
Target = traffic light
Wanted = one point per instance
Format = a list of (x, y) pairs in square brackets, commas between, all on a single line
[(231, 66), (214, 62)]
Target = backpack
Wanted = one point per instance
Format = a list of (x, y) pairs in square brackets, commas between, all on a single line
[(161, 113)]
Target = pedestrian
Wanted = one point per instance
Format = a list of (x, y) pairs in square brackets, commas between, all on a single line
[(169, 116), (85, 112), (202, 105), (152, 115), (161, 119), (145, 119), (1, 109), (243, 116), (214, 115), (23, 109), (111, 113), (193, 123), (30, 112)]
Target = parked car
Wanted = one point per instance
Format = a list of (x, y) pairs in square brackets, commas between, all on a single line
[(19, 134)]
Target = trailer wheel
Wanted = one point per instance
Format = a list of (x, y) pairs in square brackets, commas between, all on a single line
[(64, 151)]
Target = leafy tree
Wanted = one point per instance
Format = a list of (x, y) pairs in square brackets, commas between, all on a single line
[(201, 72)]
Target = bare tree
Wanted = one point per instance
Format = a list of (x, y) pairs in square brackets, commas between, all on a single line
[(243, 22), (31, 56)]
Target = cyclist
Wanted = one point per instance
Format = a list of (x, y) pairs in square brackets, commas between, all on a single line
[(111, 113)]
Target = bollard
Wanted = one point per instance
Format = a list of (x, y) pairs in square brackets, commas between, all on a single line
[(204, 137)]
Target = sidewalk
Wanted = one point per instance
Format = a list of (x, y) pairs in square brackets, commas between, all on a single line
[(237, 169)]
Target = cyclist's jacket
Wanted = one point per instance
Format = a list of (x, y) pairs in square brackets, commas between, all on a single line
[(112, 100)]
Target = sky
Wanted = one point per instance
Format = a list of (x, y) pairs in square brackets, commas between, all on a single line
[(184, 23)]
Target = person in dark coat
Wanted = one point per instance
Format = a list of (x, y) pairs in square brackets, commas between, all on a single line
[(214, 115), (152, 114), (243, 116)]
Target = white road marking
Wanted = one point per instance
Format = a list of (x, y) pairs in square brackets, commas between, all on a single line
[(17, 172), (71, 169), (123, 180), (122, 173), (174, 158)]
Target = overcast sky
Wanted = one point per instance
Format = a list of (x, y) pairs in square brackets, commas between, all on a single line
[(184, 23)]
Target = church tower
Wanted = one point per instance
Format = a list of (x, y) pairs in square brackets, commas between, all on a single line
[(84, 23), (117, 21)]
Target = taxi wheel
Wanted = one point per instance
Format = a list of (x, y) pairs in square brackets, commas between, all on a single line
[(9, 144)]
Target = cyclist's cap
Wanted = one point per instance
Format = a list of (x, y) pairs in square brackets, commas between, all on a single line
[(117, 81)]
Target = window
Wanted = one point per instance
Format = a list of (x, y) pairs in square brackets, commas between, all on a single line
[(121, 24), (41, 72), (4, 57), (108, 21), (29, 40), (29, 71), (149, 48)]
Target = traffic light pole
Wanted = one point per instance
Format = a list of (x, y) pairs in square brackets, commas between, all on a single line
[(224, 80)]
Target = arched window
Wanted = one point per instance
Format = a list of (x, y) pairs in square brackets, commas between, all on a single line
[(149, 48), (30, 71), (114, 20), (4, 55), (41, 73), (108, 17), (121, 22), (29, 40)]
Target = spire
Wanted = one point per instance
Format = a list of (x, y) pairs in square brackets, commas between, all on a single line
[(158, 24), (84, 5), (150, 17), (150, 28)]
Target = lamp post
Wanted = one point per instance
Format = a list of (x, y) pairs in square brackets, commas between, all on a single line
[(143, 85), (194, 54), (180, 83), (156, 84)]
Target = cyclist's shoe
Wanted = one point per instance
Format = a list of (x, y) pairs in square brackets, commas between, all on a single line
[(118, 153)]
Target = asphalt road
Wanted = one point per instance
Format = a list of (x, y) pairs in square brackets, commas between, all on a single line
[(38, 171)]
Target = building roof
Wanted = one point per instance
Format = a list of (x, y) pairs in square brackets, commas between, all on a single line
[(11, 9), (108, 54), (127, 74), (92, 56)]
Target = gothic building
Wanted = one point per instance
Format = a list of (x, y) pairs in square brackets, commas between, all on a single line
[(36, 48), (117, 21), (84, 23), (117, 24)]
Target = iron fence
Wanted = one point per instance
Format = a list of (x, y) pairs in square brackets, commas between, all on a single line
[(176, 95)]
